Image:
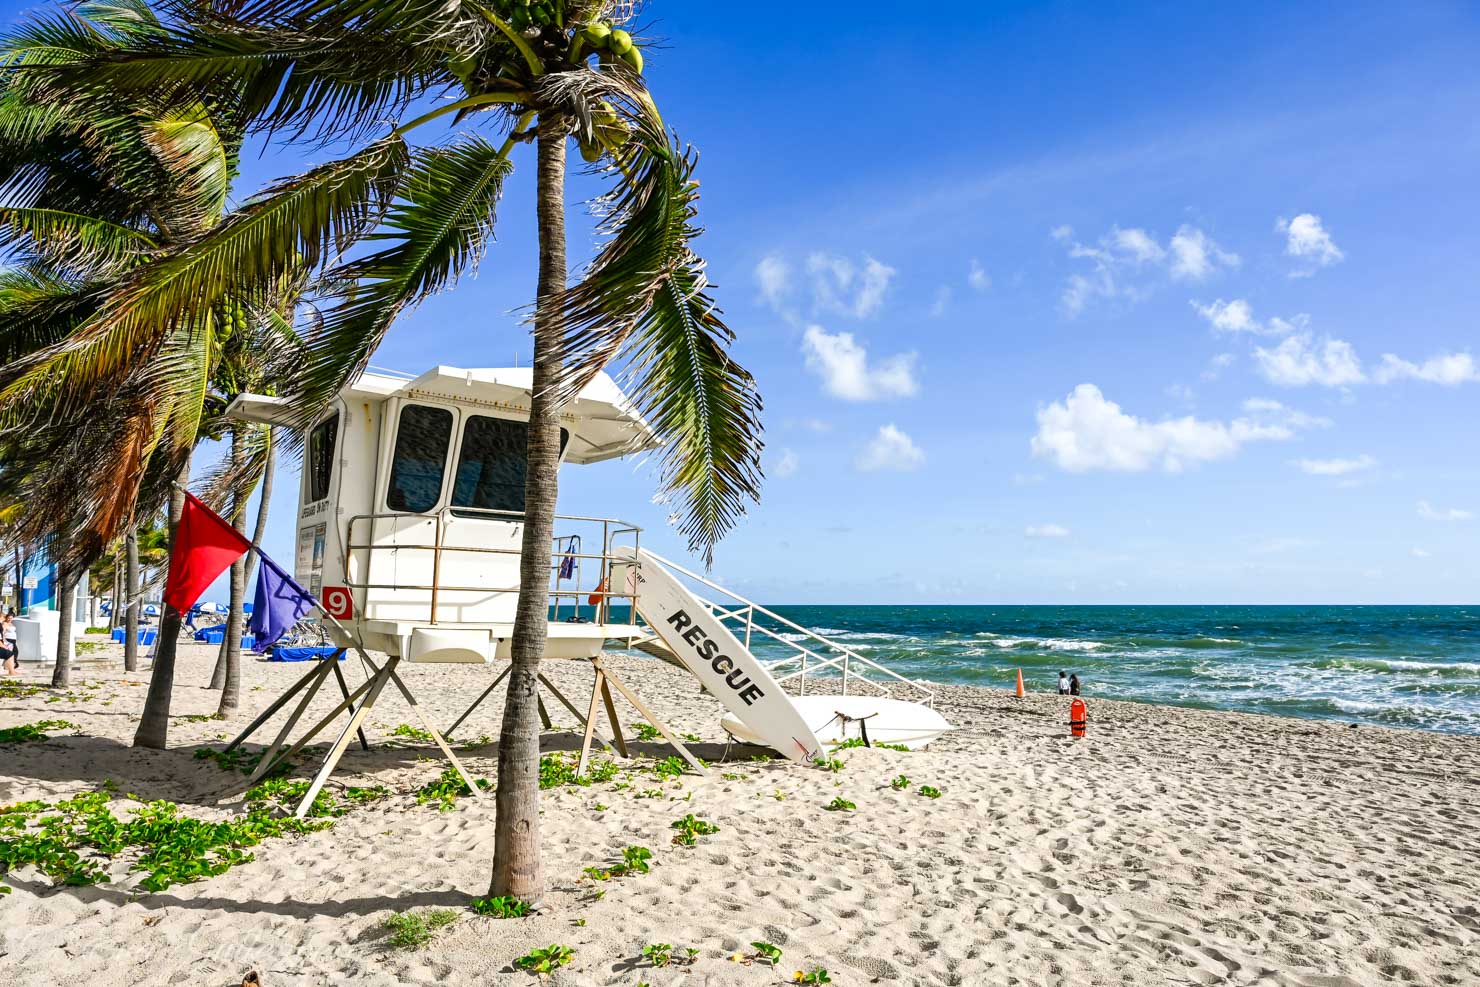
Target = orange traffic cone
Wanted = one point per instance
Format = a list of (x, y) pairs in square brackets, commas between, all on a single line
[(1020, 692)]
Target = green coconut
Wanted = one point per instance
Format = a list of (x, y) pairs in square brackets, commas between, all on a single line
[(633, 57), (591, 151), (620, 42), (597, 35)]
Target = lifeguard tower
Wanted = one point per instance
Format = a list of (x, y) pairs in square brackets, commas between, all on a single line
[(409, 533)]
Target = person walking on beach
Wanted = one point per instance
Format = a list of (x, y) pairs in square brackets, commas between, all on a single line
[(9, 656), (1063, 684), (1074, 684)]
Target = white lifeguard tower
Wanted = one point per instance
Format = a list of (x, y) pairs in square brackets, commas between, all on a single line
[(409, 533)]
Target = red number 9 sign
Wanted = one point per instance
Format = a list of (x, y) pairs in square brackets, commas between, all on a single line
[(337, 602)]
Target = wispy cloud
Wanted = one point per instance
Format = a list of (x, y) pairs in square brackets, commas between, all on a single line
[(843, 286), (773, 278), (977, 276), (843, 364), (1123, 262), (890, 449), (787, 465), (1430, 513), (1335, 467), (1448, 369), (1238, 316), (1046, 531)]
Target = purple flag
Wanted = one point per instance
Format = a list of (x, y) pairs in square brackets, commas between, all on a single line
[(280, 603)]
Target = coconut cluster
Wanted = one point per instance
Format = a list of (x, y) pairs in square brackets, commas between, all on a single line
[(602, 37)]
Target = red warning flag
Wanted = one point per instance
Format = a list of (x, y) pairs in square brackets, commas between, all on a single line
[(204, 546)]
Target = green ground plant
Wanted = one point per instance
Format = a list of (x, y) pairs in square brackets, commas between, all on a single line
[(690, 828), (830, 763), (900, 783), (28, 733), (446, 789), (646, 731), (840, 804), (413, 930), (73, 841), (412, 733), (557, 770), (546, 959), (502, 906), (930, 792), (766, 953), (634, 861), (671, 766), (658, 953), (817, 975)]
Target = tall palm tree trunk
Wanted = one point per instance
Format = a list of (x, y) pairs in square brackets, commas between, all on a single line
[(131, 613), (231, 686), (114, 614), (61, 674), (219, 677), (517, 868), (154, 724)]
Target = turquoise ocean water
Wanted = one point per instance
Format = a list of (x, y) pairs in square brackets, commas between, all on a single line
[(1415, 667)]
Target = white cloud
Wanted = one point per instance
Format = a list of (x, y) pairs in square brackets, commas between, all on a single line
[(1298, 361), (1195, 255), (1217, 365), (1335, 467), (817, 425), (977, 276), (1308, 240), (1420, 553), (1448, 369), (1122, 259), (1087, 432), (1238, 316), (786, 465), (1137, 245), (839, 285), (942, 301), (1429, 513), (773, 277), (1270, 410), (890, 449), (1046, 531), (843, 365)]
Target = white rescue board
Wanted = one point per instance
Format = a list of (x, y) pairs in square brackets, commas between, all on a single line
[(887, 721), (717, 659)]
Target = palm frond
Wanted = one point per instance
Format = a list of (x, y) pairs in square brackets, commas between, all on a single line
[(296, 224), (438, 228), (39, 310), (646, 293), (70, 241)]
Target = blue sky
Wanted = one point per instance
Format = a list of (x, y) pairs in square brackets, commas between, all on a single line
[(1157, 304)]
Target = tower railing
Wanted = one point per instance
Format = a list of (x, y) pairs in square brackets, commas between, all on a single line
[(807, 653)]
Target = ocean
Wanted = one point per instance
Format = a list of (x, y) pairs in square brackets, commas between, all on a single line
[(1416, 667)]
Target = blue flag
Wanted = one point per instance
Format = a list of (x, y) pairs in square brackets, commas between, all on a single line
[(280, 604)]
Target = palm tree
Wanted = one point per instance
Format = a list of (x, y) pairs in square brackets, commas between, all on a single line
[(95, 199), (334, 70)]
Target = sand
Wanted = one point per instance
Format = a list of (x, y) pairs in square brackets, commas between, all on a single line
[(1170, 846)]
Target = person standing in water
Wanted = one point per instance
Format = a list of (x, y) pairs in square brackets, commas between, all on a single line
[(1074, 684), (1063, 684)]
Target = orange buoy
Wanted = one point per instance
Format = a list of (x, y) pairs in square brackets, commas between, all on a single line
[(1020, 692), (596, 597), (1078, 717)]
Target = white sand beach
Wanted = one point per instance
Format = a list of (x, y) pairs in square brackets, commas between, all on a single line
[(1170, 846)]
